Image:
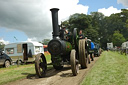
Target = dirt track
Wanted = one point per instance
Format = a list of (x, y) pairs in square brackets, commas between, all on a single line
[(53, 77)]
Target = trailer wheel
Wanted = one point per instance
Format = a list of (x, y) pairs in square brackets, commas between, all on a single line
[(83, 57), (40, 65), (74, 63), (19, 62)]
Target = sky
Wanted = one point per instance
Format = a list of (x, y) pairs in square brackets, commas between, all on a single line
[(30, 20)]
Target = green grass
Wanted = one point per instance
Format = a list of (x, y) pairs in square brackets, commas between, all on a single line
[(14, 73), (110, 69), (48, 57)]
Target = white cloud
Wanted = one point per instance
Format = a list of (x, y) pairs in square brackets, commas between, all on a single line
[(109, 11), (124, 2), (3, 41), (34, 17), (32, 39)]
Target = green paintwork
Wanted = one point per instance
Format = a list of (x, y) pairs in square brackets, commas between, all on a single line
[(57, 59), (68, 47)]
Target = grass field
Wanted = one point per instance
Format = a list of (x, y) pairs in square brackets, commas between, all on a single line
[(14, 72), (48, 56), (110, 69)]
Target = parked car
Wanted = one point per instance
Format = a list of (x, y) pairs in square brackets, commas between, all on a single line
[(5, 60)]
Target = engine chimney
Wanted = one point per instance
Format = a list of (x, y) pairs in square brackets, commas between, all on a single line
[(56, 28)]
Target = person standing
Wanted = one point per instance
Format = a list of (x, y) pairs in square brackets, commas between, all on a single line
[(92, 54), (81, 36)]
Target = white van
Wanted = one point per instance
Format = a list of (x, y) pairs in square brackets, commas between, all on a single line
[(23, 51), (124, 45), (110, 46)]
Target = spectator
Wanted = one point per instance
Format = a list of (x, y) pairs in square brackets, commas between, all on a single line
[(92, 45), (81, 36)]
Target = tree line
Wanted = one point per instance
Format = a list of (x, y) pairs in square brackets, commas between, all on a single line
[(100, 28)]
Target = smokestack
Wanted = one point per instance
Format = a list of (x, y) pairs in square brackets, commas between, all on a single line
[(56, 29)]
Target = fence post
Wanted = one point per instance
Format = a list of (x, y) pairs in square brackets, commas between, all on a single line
[(18, 62), (126, 50)]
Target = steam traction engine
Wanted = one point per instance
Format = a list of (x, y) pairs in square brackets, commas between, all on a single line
[(63, 51)]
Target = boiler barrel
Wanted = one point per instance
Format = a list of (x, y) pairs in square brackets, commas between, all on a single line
[(59, 47)]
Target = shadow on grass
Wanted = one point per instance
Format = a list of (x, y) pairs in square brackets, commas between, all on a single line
[(30, 76)]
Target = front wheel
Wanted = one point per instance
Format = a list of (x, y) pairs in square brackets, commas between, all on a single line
[(40, 65), (74, 63)]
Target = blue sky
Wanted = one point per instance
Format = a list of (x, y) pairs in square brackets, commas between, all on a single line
[(94, 5), (31, 19), (12, 35)]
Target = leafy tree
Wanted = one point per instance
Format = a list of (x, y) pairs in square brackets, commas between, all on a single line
[(91, 34), (45, 41), (2, 46), (118, 38), (100, 28), (127, 23), (80, 21), (97, 18)]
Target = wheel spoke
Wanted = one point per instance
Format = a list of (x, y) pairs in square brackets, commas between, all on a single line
[(42, 65)]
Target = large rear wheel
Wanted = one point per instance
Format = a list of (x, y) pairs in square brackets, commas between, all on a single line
[(83, 56), (74, 63), (40, 65)]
